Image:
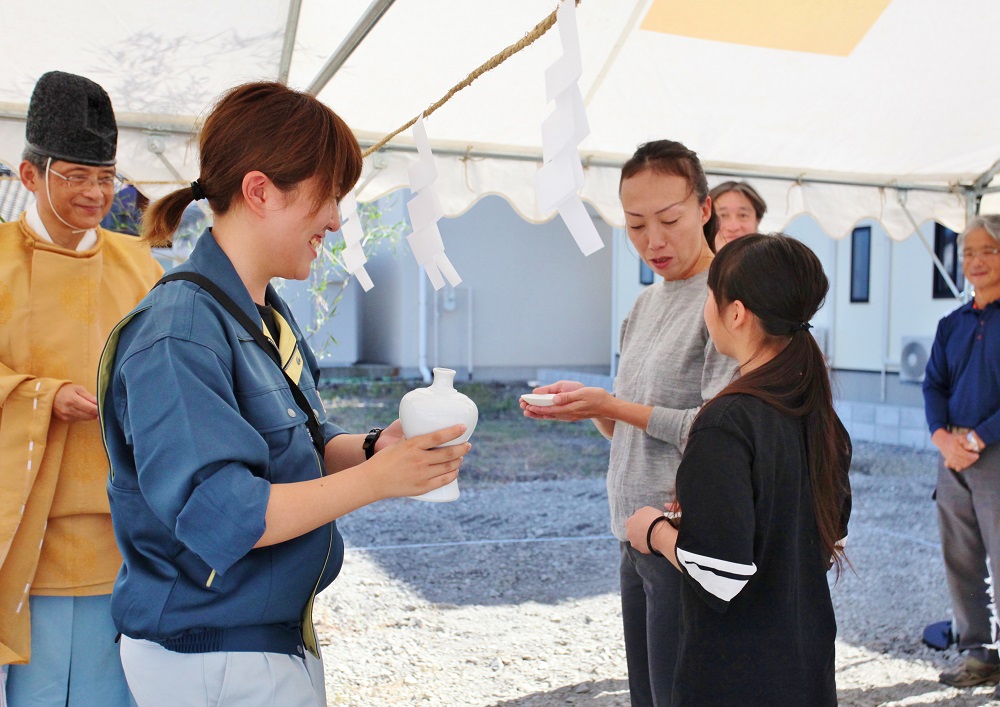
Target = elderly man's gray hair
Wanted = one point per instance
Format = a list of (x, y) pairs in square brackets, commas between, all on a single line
[(988, 222)]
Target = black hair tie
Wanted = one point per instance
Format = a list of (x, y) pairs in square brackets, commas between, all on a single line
[(196, 191), (801, 326), (649, 533)]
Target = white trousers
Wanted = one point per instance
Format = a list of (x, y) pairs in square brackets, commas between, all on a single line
[(158, 677)]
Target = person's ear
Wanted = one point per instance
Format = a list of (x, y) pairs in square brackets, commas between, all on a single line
[(258, 192), (30, 177), (738, 315), (706, 210)]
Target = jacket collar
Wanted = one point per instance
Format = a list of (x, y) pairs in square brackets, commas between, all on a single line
[(210, 260)]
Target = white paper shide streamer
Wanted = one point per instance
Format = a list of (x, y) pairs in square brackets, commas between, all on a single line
[(560, 179), (425, 210), (354, 254)]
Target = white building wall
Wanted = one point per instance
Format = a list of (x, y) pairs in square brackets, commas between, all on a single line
[(901, 301), (805, 229), (388, 311), (536, 300), (914, 311), (857, 325), (337, 341)]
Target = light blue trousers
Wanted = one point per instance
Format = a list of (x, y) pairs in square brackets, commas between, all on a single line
[(74, 657), (162, 678)]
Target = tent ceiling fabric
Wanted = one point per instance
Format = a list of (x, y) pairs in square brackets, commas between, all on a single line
[(819, 26), (904, 105)]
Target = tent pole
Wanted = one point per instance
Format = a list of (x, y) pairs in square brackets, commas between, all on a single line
[(979, 187), (291, 28), (616, 245), (985, 178), (357, 34), (595, 161), (886, 314), (930, 249), (831, 342), (127, 121), (633, 21), (425, 372), (157, 145)]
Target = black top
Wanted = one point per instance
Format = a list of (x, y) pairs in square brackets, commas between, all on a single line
[(757, 623)]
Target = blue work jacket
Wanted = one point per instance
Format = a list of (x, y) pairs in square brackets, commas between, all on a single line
[(199, 422)]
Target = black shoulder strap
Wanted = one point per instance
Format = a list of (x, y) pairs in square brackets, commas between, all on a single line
[(254, 330)]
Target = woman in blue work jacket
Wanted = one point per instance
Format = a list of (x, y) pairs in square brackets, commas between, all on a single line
[(226, 477)]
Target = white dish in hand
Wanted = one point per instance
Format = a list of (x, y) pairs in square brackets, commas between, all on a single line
[(539, 399)]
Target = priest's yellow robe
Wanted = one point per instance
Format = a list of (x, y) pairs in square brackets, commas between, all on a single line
[(57, 308)]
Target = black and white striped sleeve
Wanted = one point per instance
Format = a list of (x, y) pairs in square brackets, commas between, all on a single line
[(715, 545), (720, 578)]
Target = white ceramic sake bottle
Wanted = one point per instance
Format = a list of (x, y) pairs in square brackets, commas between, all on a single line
[(429, 409)]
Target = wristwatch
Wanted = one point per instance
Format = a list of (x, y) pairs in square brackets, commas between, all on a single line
[(971, 439), (370, 439)]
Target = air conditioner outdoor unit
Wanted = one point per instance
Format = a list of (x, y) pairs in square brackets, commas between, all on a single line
[(913, 356)]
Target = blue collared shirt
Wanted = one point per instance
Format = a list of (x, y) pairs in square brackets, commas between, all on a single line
[(962, 383)]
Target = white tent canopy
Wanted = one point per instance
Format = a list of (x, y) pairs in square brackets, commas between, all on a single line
[(837, 108)]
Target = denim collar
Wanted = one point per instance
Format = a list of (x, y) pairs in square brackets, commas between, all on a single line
[(210, 260)]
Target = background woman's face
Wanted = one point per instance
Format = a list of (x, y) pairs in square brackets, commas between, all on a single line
[(664, 222), (736, 217)]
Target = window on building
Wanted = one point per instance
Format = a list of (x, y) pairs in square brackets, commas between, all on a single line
[(861, 255), (946, 249)]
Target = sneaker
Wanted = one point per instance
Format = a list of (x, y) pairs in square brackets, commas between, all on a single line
[(971, 672)]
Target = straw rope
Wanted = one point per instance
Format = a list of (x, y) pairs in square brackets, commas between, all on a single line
[(539, 29)]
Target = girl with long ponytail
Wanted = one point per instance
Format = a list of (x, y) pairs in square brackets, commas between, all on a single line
[(762, 493)]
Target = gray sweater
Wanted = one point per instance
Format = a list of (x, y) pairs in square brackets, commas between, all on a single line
[(669, 362)]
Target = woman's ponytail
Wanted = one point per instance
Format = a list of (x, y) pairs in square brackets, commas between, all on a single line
[(163, 217)]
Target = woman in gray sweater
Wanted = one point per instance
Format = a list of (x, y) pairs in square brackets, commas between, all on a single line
[(668, 369)]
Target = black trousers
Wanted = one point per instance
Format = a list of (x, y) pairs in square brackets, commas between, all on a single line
[(651, 614)]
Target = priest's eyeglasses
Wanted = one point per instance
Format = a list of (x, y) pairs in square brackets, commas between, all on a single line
[(79, 183), (981, 253)]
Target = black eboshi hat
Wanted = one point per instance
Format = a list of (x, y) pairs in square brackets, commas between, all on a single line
[(70, 118)]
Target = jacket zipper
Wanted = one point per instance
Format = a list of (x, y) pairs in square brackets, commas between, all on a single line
[(309, 632)]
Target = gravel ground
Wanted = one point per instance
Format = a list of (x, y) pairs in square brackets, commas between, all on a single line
[(509, 596)]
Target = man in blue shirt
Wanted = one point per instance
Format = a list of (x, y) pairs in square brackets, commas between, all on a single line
[(962, 403)]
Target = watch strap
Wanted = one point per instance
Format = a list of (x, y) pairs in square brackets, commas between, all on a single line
[(370, 439)]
